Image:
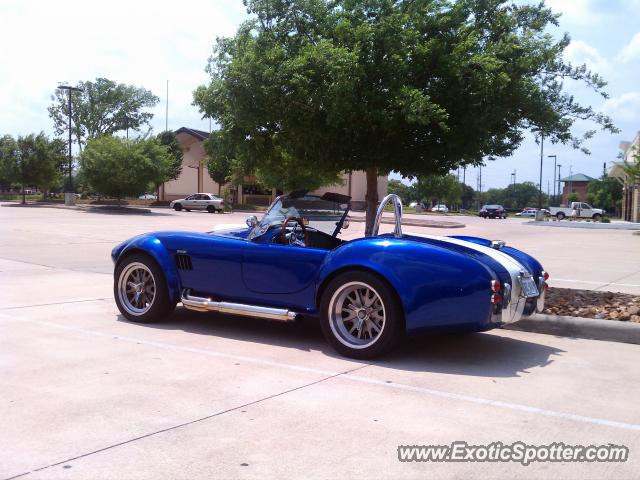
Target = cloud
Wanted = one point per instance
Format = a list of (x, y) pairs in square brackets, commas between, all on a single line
[(579, 52), (625, 107), (631, 50)]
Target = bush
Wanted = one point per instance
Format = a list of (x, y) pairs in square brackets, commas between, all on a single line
[(605, 220)]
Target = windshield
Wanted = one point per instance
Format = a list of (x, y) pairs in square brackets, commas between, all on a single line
[(318, 213)]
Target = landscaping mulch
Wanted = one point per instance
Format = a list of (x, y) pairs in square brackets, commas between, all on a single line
[(592, 304)]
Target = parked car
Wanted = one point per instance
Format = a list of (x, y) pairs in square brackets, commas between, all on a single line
[(148, 196), (579, 210), (440, 208), (367, 293), (493, 211), (199, 201)]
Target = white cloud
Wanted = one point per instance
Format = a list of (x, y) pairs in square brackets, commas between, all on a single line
[(631, 50), (579, 52), (624, 108), (138, 42)]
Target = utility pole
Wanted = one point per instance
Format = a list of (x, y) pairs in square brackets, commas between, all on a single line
[(559, 199), (70, 89), (555, 158), (541, 158), (166, 109)]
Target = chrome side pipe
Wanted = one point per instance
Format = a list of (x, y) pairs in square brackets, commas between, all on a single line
[(202, 304)]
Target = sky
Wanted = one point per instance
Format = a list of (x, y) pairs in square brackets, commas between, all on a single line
[(146, 43)]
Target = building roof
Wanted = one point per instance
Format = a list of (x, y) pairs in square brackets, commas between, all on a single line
[(578, 177), (199, 134)]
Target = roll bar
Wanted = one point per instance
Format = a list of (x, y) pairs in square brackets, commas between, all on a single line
[(397, 210)]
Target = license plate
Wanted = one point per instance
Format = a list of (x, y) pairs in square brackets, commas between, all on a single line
[(529, 288)]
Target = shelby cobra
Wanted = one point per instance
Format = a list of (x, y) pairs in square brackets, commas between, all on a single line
[(367, 292)]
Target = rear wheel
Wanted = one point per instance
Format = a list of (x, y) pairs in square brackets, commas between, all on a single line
[(177, 207), (560, 216), (361, 316), (140, 290), (211, 209)]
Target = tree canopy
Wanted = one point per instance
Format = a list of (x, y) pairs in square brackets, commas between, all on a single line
[(419, 87), (104, 107), (169, 139), (117, 167), (32, 160)]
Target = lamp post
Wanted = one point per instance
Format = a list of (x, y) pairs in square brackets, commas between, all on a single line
[(70, 89), (541, 159), (559, 193), (555, 158)]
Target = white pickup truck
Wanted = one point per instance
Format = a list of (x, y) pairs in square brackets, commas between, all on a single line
[(581, 209)]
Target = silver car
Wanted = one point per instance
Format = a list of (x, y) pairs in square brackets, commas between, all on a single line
[(198, 201)]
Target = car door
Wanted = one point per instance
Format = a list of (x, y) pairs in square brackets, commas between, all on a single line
[(586, 210), (274, 269)]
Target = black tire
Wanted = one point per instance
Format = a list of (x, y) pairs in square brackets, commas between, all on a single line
[(393, 317), (160, 307), (596, 217), (560, 215), (211, 209), (177, 207)]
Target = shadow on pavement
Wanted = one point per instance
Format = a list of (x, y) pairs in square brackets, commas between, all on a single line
[(475, 354)]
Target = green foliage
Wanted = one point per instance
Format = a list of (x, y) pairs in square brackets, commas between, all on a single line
[(104, 107), (309, 88), (516, 197), (169, 139), (467, 195), (437, 189), (605, 193), (407, 193), (572, 197), (117, 167), (33, 160)]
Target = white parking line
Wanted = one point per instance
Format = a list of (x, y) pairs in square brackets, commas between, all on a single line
[(355, 378)]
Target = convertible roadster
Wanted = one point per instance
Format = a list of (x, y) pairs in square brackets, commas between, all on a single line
[(367, 292)]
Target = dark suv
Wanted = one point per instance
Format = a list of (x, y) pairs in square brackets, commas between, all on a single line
[(493, 211)]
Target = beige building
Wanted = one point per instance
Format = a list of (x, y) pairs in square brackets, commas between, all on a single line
[(630, 186), (195, 178)]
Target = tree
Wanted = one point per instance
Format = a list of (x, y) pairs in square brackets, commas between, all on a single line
[(419, 87), (605, 193), (572, 197), (31, 160), (437, 188), (104, 107), (515, 196), (117, 167), (407, 193), (467, 195)]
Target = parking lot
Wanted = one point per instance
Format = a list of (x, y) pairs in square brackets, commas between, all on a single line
[(86, 394)]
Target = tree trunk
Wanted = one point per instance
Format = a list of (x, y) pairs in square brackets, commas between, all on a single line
[(24, 200), (372, 199), (219, 189)]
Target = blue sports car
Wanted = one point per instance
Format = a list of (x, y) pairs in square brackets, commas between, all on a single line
[(367, 293)]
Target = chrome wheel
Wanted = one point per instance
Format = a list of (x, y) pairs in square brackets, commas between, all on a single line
[(136, 288), (356, 315)]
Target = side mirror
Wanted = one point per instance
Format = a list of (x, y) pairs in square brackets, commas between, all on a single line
[(251, 221)]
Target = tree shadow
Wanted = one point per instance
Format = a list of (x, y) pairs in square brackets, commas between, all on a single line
[(478, 354)]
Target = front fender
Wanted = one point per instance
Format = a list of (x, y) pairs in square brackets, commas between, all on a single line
[(152, 246), (436, 287)]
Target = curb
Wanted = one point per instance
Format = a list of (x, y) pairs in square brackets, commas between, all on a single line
[(586, 225), (578, 327), (125, 210)]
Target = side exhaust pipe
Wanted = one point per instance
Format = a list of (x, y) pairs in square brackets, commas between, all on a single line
[(201, 304)]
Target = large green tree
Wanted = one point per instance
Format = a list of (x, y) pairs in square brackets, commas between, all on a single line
[(32, 160), (605, 193), (103, 107), (173, 169), (117, 167), (420, 87)]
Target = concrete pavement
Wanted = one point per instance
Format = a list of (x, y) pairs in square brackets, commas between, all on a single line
[(86, 394)]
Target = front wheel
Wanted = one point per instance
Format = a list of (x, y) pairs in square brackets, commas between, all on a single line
[(140, 290), (596, 217), (361, 316)]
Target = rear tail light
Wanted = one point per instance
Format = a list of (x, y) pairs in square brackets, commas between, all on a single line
[(546, 277), (496, 286)]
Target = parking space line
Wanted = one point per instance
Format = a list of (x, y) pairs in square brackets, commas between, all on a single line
[(56, 303), (359, 379)]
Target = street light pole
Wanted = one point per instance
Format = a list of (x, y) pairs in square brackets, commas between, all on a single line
[(555, 158), (559, 199), (541, 158), (70, 89)]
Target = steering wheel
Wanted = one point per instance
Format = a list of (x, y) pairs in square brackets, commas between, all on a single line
[(294, 239)]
